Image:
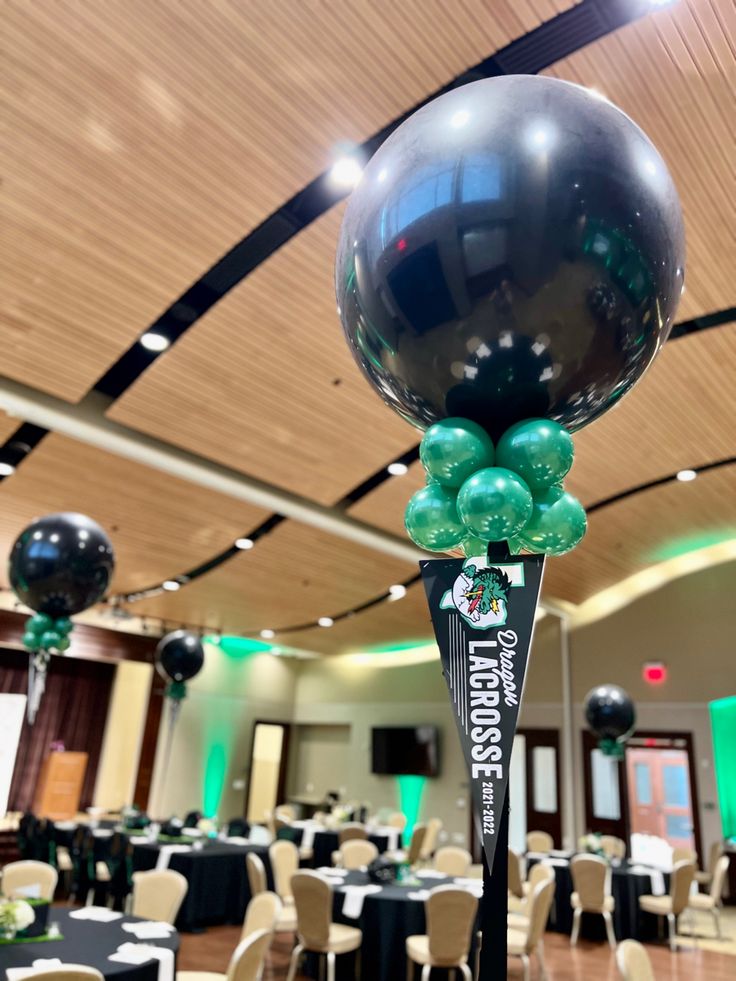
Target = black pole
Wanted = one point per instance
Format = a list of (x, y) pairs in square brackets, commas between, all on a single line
[(494, 905)]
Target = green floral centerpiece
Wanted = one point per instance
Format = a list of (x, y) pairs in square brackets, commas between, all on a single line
[(16, 915), (591, 843)]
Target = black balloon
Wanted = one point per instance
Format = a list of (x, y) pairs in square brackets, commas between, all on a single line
[(179, 656), (609, 712), (61, 564), (514, 250)]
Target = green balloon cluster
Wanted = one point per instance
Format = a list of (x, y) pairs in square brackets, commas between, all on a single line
[(43, 633), (476, 494)]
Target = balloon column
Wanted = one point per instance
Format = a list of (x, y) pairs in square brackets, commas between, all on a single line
[(610, 715), (58, 566)]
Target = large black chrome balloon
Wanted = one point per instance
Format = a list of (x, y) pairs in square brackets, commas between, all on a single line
[(609, 712), (514, 250), (179, 656), (61, 564)]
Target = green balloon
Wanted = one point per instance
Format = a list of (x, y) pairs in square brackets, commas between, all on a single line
[(63, 626), (475, 547), (514, 545), (431, 519), (539, 450), (557, 524), (494, 504), (40, 623), (31, 641), (453, 449), (50, 640), (63, 645)]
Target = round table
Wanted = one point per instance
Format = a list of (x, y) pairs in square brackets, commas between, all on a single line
[(87, 942)]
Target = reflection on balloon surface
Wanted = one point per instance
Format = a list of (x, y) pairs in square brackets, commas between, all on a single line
[(514, 250)]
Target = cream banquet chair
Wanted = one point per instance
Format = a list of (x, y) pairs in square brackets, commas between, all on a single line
[(515, 881), (633, 962), (284, 858), (591, 880), (705, 878), (352, 832), (671, 906), (524, 943), (540, 842), (286, 919), (316, 932), (710, 902), (158, 894), (411, 855), (613, 847), (286, 812), (356, 853), (539, 872), (69, 972), (262, 913), (452, 860), (27, 874), (450, 914), (683, 855), (431, 837), (397, 820), (245, 964)]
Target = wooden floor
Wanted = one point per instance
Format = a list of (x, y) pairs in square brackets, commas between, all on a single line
[(211, 950)]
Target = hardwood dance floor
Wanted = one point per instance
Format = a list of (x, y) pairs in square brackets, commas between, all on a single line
[(210, 951)]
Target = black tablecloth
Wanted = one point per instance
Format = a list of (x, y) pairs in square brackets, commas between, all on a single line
[(218, 881), (629, 922), (326, 842), (86, 942)]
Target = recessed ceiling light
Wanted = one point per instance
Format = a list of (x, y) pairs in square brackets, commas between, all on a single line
[(244, 543), (346, 172), (171, 585), (6, 469), (268, 634), (152, 341), (397, 469), (686, 475), (396, 592), (325, 621)]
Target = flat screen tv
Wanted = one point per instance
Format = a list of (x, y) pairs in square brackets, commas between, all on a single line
[(406, 750)]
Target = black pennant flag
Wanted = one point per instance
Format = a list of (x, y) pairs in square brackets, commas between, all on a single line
[(483, 617)]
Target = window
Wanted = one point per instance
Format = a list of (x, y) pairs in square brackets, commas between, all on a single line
[(606, 797), (675, 783), (643, 783), (544, 764)]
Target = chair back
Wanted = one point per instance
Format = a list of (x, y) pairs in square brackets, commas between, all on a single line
[(539, 907), (683, 855), (633, 962), (515, 886), (415, 846), (248, 957), (256, 873), (716, 850), (313, 901), (589, 874), (284, 856), (539, 841), (69, 972), (719, 878), (397, 820), (450, 916), (26, 873), (429, 845), (452, 860), (613, 847), (680, 882), (286, 812), (261, 913), (355, 853), (158, 894), (539, 872), (352, 832)]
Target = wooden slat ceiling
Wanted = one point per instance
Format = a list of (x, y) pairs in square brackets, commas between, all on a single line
[(294, 575), (148, 138), (674, 73), (160, 526)]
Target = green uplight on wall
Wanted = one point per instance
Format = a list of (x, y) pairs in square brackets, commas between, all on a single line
[(214, 779), (411, 788), (239, 647), (723, 727)]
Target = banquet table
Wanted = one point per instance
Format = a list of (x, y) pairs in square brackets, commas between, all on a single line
[(218, 880), (87, 942), (628, 883), (324, 841)]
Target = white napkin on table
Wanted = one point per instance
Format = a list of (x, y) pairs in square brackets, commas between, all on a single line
[(237, 840), (655, 875), (165, 853), (559, 862), (41, 964), (330, 870), (420, 895), (354, 895), (102, 833), (308, 836), (129, 953), (259, 835), (100, 913), (149, 929), (429, 874), (385, 831)]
